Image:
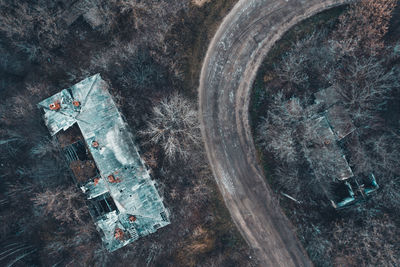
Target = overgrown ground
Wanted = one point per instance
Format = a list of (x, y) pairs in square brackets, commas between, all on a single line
[(146, 51), (362, 235), (325, 20)]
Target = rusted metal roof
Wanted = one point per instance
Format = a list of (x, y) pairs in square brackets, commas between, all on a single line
[(132, 189)]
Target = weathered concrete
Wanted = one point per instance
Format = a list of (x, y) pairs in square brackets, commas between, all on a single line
[(234, 55)]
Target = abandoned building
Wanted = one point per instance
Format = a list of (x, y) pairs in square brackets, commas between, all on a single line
[(90, 11), (325, 155), (99, 148)]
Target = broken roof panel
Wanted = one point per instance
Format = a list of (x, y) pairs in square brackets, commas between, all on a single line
[(95, 188), (65, 117), (326, 157), (340, 121), (122, 172)]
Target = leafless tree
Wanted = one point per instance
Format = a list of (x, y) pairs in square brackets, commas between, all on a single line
[(288, 177), (278, 139), (48, 146), (360, 160), (322, 154), (174, 125), (77, 244), (308, 58), (294, 63), (362, 27), (10, 143), (374, 243), (64, 204), (317, 244), (386, 151), (292, 68), (364, 85), (32, 27), (277, 131)]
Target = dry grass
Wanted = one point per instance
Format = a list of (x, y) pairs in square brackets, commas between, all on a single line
[(201, 242), (200, 3)]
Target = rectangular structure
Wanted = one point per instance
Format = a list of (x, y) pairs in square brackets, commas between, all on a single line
[(125, 199), (340, 121), (326, 157)]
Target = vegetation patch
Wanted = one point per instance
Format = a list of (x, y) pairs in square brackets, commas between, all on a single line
[(150, 53), (200, 2), (324, 114)]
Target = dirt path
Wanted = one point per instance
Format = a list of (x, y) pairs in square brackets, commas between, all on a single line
[(233, 57)]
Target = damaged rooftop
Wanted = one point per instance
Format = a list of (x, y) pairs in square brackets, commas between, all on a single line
[(126, 202)]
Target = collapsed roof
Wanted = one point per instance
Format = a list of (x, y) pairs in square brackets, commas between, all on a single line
[(325, 126), (326, 157), (137, 209)]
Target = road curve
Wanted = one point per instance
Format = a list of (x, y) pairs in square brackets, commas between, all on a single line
[(233, 57)]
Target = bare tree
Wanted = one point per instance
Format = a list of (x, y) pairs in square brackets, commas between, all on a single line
[(48, 146), (288, 177), (365, 85), (322, 155), (292, 68), (279, 139), (75, 245), (64, 204), (363, 26), (174, 125), (33, 27), (386, 151), (277, 132), (360, 160), (374, 243), (306, 58)]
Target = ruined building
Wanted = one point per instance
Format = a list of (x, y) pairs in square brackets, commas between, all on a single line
[(327, 126), (333, 128), (99, 148)]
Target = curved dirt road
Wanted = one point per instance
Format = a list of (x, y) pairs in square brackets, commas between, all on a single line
[(229, 68)]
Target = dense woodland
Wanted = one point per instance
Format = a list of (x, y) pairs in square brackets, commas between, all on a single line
[(356, 52), (150, 53)]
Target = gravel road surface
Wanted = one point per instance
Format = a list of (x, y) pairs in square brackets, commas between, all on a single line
[(233, 57)]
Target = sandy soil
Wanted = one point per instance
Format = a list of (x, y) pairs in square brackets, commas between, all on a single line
[(233, 57)]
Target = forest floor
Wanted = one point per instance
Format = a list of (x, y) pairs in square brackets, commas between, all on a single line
[(165, 41), (320, 246)]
